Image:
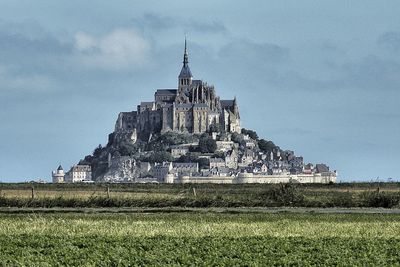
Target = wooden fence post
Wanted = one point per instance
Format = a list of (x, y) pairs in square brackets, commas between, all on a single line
[(108, 192), (33, 192), (194, 192)]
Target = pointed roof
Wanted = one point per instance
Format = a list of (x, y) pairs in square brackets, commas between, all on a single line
[(185, 71), (60, 168), (227, 104), (185, 56)]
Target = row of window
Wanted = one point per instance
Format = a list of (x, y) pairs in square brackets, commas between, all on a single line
[(184, 81)]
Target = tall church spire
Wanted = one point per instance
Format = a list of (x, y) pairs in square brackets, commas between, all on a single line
[(185, 72), (185, 56)]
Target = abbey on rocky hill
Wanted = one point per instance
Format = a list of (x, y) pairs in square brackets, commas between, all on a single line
[(193, 108)]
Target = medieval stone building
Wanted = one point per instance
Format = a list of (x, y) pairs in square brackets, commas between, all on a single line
[(193, 107)]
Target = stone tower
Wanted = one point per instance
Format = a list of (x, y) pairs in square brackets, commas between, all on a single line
[(58, 175), (185, 77)]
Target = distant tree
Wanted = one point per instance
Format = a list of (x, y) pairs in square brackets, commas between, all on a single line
[(127, 149), (237, 138), (266, 146), (164, 141), (163, 156), (160, 156), (204, 163), (98, 150), (252, 134), (207, 144)]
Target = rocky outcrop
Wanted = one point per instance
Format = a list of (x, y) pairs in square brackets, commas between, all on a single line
[(121, 169)]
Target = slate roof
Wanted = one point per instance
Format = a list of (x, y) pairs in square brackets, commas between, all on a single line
[(133, 113), (185, 164), (81, 168), (321, 168), (185, 72), (197, 82), (166, 92), (146, 104), (215, 160), (200, 105), (184, 105), (226, 103)]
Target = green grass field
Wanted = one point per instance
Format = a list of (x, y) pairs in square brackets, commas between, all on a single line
[(204, 239)]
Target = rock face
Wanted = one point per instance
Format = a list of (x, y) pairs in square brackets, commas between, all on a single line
[(121, 169)]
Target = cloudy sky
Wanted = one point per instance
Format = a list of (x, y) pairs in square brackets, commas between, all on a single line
[(321, 78)]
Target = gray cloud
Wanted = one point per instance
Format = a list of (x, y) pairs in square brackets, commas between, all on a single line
[(253, 52), (34, 60), (155, 21), (17, 43), (31, 54), (371, 73), (29, 39), (159, 22), (119, 49), (206, 27)]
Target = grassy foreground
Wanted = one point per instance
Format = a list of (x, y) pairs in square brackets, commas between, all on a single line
[(205, 239)]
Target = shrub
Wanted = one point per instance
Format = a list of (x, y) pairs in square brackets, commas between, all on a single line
[(252, 134), (164, 141), (207, 144), (285, 195), (158, 156), (266, 146), (344, 199), (381, 199)]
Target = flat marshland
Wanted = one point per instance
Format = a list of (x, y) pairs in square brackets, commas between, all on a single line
[(204, 239), (200, 195), (199, 225)]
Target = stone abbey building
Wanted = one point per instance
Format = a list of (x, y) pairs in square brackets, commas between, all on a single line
[(193, 107)]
